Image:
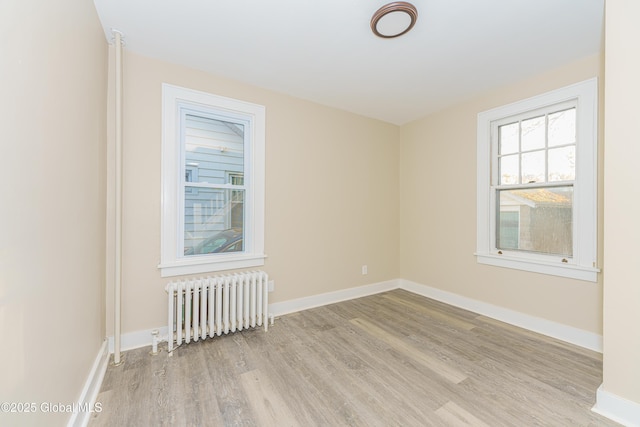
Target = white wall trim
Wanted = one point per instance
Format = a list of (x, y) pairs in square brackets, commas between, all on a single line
[(617, 408), (299, 304), (91, 388), (579, 337), (552, 329), (137, 339)]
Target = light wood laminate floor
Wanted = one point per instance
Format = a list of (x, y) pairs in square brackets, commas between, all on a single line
[(391, 359)]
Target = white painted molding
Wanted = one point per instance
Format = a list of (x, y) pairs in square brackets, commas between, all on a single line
[(291, 306), (552, 329), (137, 339), (91, 389), (556, 330), (617, 408)]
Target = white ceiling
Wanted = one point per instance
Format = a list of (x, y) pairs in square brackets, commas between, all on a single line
[(324, 50)]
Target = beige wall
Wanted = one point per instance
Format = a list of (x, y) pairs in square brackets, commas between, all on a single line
[(622, 202), (438, 212), (331, 192), (52, 213), (332, 200)]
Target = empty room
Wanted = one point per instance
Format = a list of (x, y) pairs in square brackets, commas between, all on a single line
[(290, 213)]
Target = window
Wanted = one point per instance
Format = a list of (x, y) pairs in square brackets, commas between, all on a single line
[(537, 183), (212, 183)]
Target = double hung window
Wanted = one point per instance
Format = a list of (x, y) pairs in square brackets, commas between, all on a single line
[(212, 183), (537, 183)]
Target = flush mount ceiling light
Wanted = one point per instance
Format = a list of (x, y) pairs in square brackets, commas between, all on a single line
[(394, 19)]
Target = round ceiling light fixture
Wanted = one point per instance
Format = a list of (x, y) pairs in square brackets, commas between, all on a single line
[(394, 19)]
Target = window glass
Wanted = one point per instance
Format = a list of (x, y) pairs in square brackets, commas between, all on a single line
[(215, 146), (541, 217), (213, 214), (208, 220), (562, 164), (533, 133), (509, 169), (562, 127), (533, 167), (509, 138), (509, 230)]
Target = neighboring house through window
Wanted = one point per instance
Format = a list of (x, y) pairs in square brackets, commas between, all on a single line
[(191, 175), (212, 183), (235, 219), (537, 183)]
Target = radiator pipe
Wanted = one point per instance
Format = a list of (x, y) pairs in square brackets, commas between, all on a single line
[(118, 202)]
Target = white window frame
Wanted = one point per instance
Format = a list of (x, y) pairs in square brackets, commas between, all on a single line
[(583, 264), (172, 261)]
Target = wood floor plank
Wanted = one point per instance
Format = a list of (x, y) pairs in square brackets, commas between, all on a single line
[(456, 416), (399, 381), (265, 401), (278, 355), (391, 359), (375, 401), (445, 370), (419, 307)]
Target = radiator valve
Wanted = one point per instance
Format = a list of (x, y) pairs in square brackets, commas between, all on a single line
[(154, 342)]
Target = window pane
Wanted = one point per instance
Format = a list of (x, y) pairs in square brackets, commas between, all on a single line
[(509, 229), (536, 220), (213, 148), (533, 167), (509, 170), (509, 139), (562, 128), (562, 164), (213, 221), (533, 133)]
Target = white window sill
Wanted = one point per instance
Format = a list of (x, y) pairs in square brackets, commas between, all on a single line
[(571, 271), (199, 265)]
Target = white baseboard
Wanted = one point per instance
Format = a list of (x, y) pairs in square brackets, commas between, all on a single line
[(91, 388), (299, 304), (616, 408), (556, 330), (137, 339), (589, 340)]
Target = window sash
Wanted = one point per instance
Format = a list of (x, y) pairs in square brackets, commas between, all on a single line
[(519, 118), (497, 188), (535, 241), (233, 118)]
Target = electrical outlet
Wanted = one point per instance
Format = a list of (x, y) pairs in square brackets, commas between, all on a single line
[(364, 270), (271, 285)]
